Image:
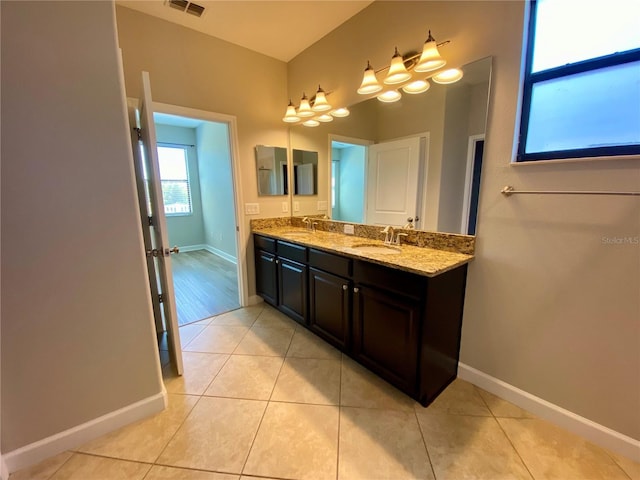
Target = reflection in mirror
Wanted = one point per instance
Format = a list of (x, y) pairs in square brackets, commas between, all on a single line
[(305, 172), (271, 169), (414, 163)]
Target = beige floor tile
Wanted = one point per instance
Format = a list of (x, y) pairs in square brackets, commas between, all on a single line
[(502, 408), (246, 376), (305, 344), (216, 436), (467, 447), (381, 444), (630, 467), (361, 388), (43, 470), (85, 467), (171, 473), (553, 453), (459, 398), (204, 321), (270, 342), (309, 380), (242, 317), (189, 332), (199, 370), (296, 441), (143, 441), (272, 318), (217, 339)]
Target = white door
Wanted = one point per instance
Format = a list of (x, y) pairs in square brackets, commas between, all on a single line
[(393, 174), (155, 230)]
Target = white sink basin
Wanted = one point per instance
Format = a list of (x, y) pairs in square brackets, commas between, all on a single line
[(377, 249)]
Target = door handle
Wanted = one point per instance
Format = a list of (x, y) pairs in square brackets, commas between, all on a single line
[(169, 251), (345, 287)]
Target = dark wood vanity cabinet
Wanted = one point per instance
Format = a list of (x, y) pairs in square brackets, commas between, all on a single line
[(402, 326)]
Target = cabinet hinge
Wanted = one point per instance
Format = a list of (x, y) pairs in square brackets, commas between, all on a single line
[(150, 219), (139, 132), (161, 298)]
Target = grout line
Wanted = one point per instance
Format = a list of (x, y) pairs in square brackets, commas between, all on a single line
[(613, 459), (61, 465), (424, 442), (504, 432)]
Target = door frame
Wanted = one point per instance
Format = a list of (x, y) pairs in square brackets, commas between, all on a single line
[(466, 202), (234, 149)]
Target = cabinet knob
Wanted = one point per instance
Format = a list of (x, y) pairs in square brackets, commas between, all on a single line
[(277, 261), (344, 287), (356, 290)]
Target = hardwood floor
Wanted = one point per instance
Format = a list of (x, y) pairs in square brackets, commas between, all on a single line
[(205, 285)]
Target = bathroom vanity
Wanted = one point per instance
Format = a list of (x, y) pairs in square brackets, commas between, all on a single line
[(395, 310)]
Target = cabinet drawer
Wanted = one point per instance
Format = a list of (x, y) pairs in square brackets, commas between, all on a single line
[(265, 243), (330, 263), (292, 251), (390, 279)]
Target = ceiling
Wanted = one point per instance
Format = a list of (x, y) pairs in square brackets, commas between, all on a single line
[(278, 29)]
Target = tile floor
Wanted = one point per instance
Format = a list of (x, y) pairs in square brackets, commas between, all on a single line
[(262, 397)]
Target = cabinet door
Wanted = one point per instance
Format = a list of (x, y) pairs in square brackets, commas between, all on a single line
[(385, 335), (329, 307), (266, 277), (292, 291)]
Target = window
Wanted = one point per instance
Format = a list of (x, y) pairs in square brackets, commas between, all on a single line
[(174, 178), (582, 80)]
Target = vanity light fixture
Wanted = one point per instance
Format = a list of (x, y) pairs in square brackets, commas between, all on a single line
[(324, 118), (446, 77), (403, 71), (311, 123), (320, 103), (340, 112), (291, 116), (304, 110)]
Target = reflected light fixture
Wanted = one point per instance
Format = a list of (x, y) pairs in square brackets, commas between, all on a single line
[(446, 77), (291, 116), (324, 118), (320, 103), (304, 110), (430, 58), (389, 96), (397, 71), (341, 112), (417, 86), (311, 123), (370, 82)]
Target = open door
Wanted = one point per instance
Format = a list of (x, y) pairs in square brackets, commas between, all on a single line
[(393, 174), (154, 225)]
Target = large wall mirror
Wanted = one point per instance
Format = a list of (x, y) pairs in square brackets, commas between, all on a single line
[(419, 158), (271, 170)]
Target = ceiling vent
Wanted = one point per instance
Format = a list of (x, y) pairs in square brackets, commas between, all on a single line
[(187, 7)]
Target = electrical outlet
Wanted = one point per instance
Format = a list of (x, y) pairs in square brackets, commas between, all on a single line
[(252, 208), (285, 206), (348, 229), (322, 205), (296, 206)]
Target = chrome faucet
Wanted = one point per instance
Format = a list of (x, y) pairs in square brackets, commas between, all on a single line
[(388, 235), (310, 224), (399, 238)]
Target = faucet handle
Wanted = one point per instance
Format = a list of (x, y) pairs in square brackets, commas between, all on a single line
[(399, 237)]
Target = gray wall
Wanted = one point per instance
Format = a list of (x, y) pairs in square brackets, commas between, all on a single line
[(77, 330), (216, 184), (185, 230)]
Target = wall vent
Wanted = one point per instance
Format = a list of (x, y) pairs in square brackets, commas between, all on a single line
[(186, 7)]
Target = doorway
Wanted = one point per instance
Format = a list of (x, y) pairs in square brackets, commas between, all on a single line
[(196, 173)]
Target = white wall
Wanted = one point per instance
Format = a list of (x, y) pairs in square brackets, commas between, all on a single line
[(78, 339), (551, 307), (216, 183), (185, 230)]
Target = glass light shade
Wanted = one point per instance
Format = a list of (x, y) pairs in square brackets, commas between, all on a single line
[(341, 112), (397, 71), (324, 118), (369, 83), (311, 123), (448, 76), (390, 96), (417, 86), (304, 110), (320, 104), (291, 116), (430, 58)]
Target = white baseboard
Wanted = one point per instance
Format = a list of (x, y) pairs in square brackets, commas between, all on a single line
[(594, 432), (34, 453), (193, 248), (4, 470), (221, 254)]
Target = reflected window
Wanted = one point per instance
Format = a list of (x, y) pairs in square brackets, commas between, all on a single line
[(174, 177), (581, 95)]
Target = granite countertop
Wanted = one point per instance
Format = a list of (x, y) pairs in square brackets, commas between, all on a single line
[(419, 260)]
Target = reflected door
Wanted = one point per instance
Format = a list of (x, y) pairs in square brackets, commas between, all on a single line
[(392, 182)]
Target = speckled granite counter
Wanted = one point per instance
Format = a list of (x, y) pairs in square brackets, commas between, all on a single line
[(419, 260)]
